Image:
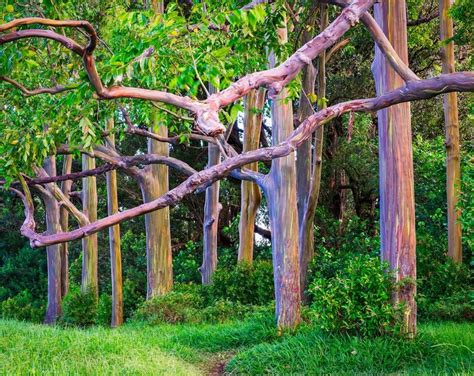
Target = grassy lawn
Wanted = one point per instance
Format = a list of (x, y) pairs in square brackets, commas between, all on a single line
[(249, 348)]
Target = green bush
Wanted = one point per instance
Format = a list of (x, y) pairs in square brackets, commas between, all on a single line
[(104, 310), (352, 295), (224, 310), (457, 307), (79, 308), (20, 307), (248, 284), (174, 307)]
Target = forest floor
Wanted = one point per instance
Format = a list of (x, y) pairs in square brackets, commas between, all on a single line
[(248, 347)]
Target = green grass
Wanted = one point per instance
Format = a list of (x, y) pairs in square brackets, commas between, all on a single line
[(446, 348), (197, 349)]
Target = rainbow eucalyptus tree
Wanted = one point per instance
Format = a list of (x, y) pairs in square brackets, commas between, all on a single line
[(451, 120), (397, 201), (279, 186)]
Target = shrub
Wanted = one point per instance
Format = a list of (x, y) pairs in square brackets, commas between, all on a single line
[(352, 295), (174, 307), (224, 310), (248, 284), (79, 308), (104, 310), (457, 307), (20, 307)]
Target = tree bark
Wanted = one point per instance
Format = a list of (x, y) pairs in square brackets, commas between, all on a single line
[(451, 119), (280, 190), (250, 192), (397, 208), (64, 221), (53, 251), (212, 208), (89, 243), (155, 183), (114, 241), (309, 188)]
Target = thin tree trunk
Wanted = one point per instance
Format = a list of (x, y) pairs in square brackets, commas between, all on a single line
[(114, 241), (397, 208), (154, 183), (451, 119), (250, 192), (280, 190), (310, 188), (89, 244), (53, 251), (64, 221), (212, 208)]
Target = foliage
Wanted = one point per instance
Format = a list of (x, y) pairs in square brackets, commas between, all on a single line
[(22, 307), (174, 307), (79, 308), (351, 294), (248, 284)]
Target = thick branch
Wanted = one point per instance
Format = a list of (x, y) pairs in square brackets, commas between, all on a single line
[(413, 90)]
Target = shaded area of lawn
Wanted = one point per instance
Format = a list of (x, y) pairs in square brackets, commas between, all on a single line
[(198, 349)]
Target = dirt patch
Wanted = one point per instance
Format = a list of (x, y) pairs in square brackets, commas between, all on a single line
[(215, 365)]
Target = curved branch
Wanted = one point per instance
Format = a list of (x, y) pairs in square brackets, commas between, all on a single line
[(413, 90), (88, 28), (207, 119), (41, 90)]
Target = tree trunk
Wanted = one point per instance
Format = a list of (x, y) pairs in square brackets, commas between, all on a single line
[(64, 221), (154, 183), (212, 208), (250, 192), (280, 190), (397, 208), (114, 241), (453, 159), (89, 244), (53, 251), (308, 189)]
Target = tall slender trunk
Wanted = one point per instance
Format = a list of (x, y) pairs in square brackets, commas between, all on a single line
[(397, 208), (311, 165), (250, 192), (64, 221), (53, 251), (114, 241), (451, 119), (89, 244), (212, 208), (154, 183), (280, 190)]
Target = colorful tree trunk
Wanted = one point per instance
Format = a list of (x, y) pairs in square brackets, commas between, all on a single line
[(397, 204), (280, 190), (114, 241), (212, 208), (451, 119), (64, 221), (311, 165), (250, 192), (53, 251), (89, 243), (154, 183)]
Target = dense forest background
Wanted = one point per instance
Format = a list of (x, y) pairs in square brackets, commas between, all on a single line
[(346, 224)]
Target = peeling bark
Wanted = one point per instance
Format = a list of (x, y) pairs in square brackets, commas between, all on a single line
[(280, 191), (451, 119), (250, 192), (114, 242), (154, 183), (89, 243), (397, 204), (53, 251)]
